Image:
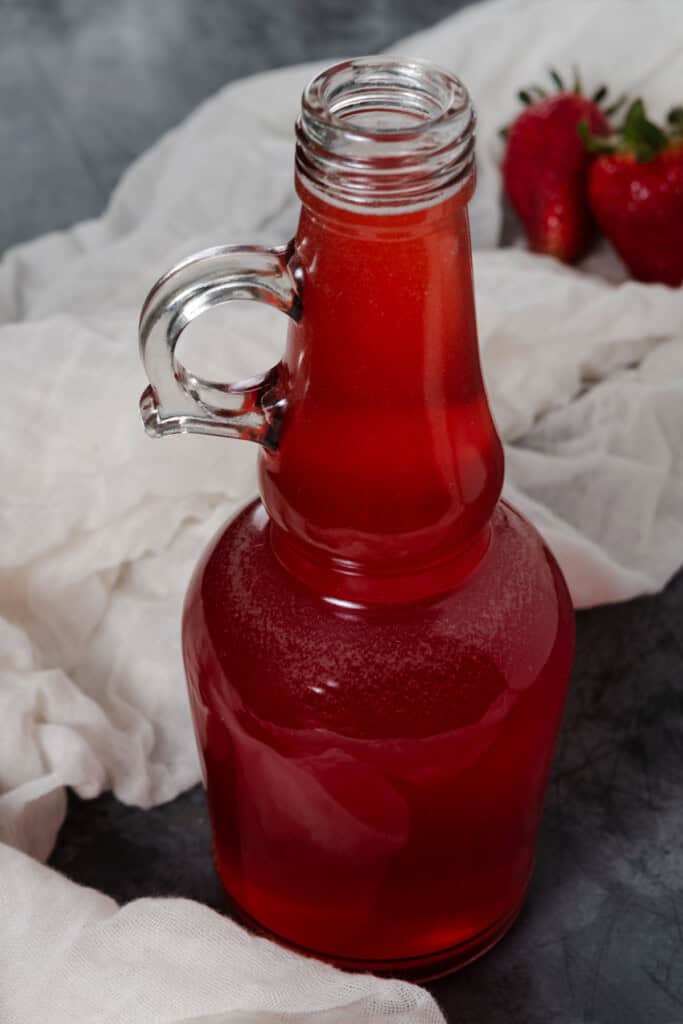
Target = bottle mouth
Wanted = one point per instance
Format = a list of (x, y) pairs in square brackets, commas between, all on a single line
[(385, 133)]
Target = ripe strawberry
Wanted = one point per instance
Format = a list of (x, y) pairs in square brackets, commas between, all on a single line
[(636, 193), (545, 169)]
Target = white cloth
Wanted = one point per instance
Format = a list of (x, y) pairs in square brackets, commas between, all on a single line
[(82, 959), (100, 526)]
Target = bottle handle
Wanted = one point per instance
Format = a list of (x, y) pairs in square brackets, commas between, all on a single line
[(176, 401)]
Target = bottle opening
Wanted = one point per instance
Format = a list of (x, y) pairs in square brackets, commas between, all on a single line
[(385, 133)]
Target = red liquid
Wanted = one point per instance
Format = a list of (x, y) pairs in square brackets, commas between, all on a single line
[(376, 762), (388, 450)]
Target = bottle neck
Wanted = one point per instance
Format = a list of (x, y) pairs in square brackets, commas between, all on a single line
[(388, 464)]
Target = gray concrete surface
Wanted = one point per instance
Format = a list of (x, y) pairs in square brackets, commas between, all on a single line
[(87, 85)]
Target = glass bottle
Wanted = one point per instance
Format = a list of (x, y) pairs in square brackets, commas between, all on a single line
[(377, 650)]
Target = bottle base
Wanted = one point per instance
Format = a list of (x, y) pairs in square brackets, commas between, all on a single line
[(418, 969)]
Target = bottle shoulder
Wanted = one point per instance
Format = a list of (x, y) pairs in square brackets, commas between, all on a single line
[(239, 564), (281, 650)]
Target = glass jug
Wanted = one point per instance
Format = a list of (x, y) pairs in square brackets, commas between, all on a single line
[(377, 650)]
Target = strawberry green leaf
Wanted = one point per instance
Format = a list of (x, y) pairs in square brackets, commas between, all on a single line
[(594, 143), (616, 105), (557, 79), (675, 119), (644, 138)]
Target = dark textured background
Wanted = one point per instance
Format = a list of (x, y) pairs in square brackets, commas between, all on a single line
[(86, 85)]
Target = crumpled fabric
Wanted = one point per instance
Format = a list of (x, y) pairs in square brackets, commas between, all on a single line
[(100, 527), (85, 959)]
